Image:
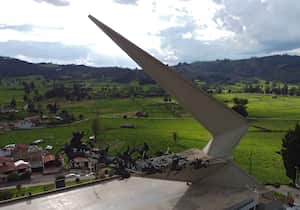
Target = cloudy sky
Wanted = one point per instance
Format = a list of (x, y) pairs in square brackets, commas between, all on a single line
[(173, 30)]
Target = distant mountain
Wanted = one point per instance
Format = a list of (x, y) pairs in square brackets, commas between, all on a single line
[(11, 67), (283, 68)]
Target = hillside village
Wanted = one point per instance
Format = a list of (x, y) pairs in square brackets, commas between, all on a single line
[(20, 161)]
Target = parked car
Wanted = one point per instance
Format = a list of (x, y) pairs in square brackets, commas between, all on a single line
[(72, 175), (36, 142), (49, 147), (90, 174)]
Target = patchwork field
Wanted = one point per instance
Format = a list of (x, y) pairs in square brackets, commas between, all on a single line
[(269, 119)]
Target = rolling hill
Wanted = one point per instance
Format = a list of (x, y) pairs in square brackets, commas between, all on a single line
[(284, 68)]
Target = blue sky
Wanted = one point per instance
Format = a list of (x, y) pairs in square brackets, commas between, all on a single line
[(173, 30)]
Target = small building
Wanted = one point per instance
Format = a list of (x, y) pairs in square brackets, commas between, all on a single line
[(7, 168), (84, 163), (52, 164), (38, 141), (9, 147), (58, 118), (30, 153), (127, 126), (141, 114), (23, 168), (92, 138), (12, 171), (45, 117), (22, 124), (8, 110), (5, 152), (28, 123), (49, 147), (4, 127), (36, 120)]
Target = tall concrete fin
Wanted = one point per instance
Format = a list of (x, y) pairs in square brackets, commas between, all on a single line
[(226, 126)]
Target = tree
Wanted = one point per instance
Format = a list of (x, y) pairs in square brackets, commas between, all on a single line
[(290, 152), (32, 85), (285, 89), (25, 98), (167, 98), (31, 106), (81, 117), (240, 101), (218, 90), (240, 106), (13, 103), (175, 137), (26, 87), (66, 116), (267, 89), (5, 195), (242, 110), (96, 126), (53, 108), (36, 92), (293, 91)]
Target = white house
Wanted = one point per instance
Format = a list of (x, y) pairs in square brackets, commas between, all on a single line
[(22, 124), (84, 163)]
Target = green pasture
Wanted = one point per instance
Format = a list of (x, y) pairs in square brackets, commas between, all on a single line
[(266, 106), (267, 166), (155, 107), (269, 119), (6, 94), (259, 106)]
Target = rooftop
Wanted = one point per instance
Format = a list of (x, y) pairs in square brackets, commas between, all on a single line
[(48, 158), (5, 159), (9, 166)]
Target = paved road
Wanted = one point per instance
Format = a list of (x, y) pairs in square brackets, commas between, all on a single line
[(134, 193), (175, 118), (138, 193), (37, 179)]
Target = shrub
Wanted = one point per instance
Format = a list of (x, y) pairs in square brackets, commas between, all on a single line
[(5, 195)]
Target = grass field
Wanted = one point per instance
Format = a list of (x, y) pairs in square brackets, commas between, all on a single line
[(24, 191), (6, 94), (277, 115), (265, 106)]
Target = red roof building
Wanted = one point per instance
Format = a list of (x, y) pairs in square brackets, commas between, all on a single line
[(9, 168), (29, 153), (48, 158), (52, 164)]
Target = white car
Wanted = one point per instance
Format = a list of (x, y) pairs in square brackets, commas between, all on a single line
[(49, 147), (72, 175), (38, 141), (90, 174), (92, 138)]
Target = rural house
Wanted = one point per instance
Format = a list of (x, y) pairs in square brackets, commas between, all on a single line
[(10, 171), (30, 153)]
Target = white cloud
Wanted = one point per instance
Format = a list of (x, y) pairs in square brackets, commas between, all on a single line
[(243, 29), (173, 30), (59, 53), (272, 24), (127, 1), (55, 2)]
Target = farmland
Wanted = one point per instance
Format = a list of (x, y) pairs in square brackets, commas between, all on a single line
[(270, 117)]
